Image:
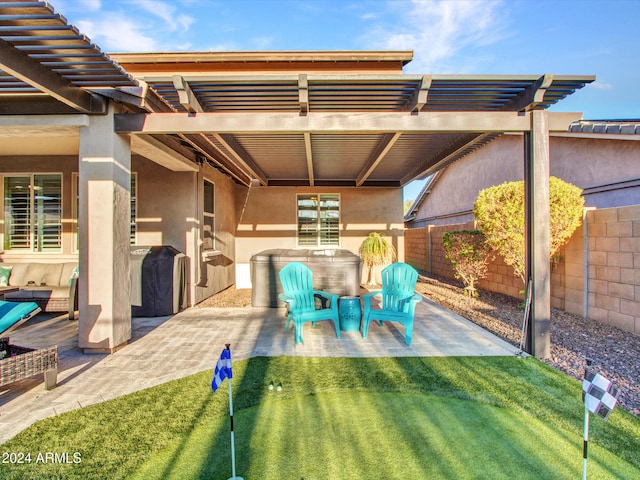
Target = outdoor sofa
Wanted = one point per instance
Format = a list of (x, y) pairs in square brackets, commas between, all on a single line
[(53, 286)]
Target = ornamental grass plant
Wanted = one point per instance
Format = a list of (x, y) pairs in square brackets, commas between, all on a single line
[(376, 250)]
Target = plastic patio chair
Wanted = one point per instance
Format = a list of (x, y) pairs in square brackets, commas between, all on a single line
[(299, 295), (398, 301)]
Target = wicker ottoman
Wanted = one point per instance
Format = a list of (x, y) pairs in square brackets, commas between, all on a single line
[(23, 362)]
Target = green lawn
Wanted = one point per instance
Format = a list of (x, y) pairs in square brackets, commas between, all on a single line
[(449, 418)]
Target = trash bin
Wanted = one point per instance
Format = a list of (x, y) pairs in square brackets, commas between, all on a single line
[(350, 313), (335, 271), (158, 281)]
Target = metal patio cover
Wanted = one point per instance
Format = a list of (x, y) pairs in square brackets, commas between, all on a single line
[(276, 129)]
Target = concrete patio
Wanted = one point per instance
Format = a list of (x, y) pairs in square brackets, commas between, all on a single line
[(167, 348)]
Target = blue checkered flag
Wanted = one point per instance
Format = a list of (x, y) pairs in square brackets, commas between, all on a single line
[(223, 369), (600, 395)]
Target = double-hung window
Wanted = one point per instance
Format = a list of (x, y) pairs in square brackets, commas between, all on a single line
[(318, 220), (33, 212), (209, 213)]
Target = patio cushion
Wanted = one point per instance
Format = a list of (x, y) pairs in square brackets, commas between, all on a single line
[(11, 313), (17, 274), (43, 274), (5, 273)]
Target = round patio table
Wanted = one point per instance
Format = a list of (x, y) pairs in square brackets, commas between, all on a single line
[(350, 313)]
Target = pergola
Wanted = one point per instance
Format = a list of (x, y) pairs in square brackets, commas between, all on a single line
[(275, 118)]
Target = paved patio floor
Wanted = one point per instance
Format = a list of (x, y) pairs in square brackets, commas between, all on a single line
[(167, 348)]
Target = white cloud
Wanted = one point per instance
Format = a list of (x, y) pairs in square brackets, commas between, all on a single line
[(601, 85), (262, 43), (223, 47), (92, 4), (438, 30), (167, 13), (116, 33)]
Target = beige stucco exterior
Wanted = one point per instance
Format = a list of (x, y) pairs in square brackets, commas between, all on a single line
[(598, 274), (589, 163), (169, 212), (267, 218)]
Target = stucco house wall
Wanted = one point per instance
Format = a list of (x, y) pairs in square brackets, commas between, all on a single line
[(267, 219), (597, 165), (170, 213), (597, 275)]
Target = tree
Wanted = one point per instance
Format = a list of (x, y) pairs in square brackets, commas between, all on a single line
[(376, 250), (470, 255), (500, 214), (407, 205)]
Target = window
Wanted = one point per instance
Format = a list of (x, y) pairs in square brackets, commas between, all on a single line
[(209, 213), (134, 208), (318, 220), (33, 212)]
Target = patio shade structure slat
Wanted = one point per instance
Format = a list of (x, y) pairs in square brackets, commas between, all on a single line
[(279, 118)]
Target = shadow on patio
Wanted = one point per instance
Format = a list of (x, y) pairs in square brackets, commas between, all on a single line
[(166, 348)]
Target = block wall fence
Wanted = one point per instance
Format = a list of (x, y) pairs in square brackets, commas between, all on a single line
[(597, 276)]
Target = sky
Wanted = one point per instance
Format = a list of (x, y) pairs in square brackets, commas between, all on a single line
[(562, 37)]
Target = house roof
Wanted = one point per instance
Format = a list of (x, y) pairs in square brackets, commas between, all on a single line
[(279, 118)]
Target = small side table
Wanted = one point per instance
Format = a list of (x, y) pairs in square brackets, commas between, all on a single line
[(350, 313)]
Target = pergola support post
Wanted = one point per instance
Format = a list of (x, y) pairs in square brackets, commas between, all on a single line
[(104, 220), (536, 181)]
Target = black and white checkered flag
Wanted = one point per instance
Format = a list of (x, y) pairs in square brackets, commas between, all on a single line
[(600, 395)]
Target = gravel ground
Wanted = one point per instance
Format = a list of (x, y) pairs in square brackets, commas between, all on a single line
[(615, 353)]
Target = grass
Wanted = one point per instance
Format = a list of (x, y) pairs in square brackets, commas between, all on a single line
[(465, 417)]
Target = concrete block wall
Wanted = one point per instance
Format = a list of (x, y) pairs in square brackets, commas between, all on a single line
[(612, 248), (501, 279), (614, 266), (416, 244)]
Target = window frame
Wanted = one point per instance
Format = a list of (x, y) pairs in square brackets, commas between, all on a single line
[(320, 197), (208, 217), (33, 217)]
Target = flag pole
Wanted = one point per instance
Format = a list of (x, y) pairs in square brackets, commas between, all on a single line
[(585, 441), (233, 446)]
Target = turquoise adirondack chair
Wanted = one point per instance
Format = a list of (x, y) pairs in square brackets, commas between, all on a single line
[(297, 283), (398, 302)]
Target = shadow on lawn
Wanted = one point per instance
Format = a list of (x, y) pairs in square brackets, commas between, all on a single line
[(459, 437)]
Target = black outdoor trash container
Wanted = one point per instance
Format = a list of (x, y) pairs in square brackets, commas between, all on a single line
[(158, 281)]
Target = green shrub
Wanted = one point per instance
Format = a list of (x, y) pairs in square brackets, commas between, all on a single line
[(470, 255), (500, 214)]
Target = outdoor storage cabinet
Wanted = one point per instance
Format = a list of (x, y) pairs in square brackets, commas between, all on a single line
[(158, 281), (334, 270)]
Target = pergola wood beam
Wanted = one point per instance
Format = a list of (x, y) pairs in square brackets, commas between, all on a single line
[(420, 95), (211, 151), (303, 93), (162, 154), (186, 96), (333, 122), (241, 156), (531, 96), (383, 148), (309, 155), (22, 66)]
